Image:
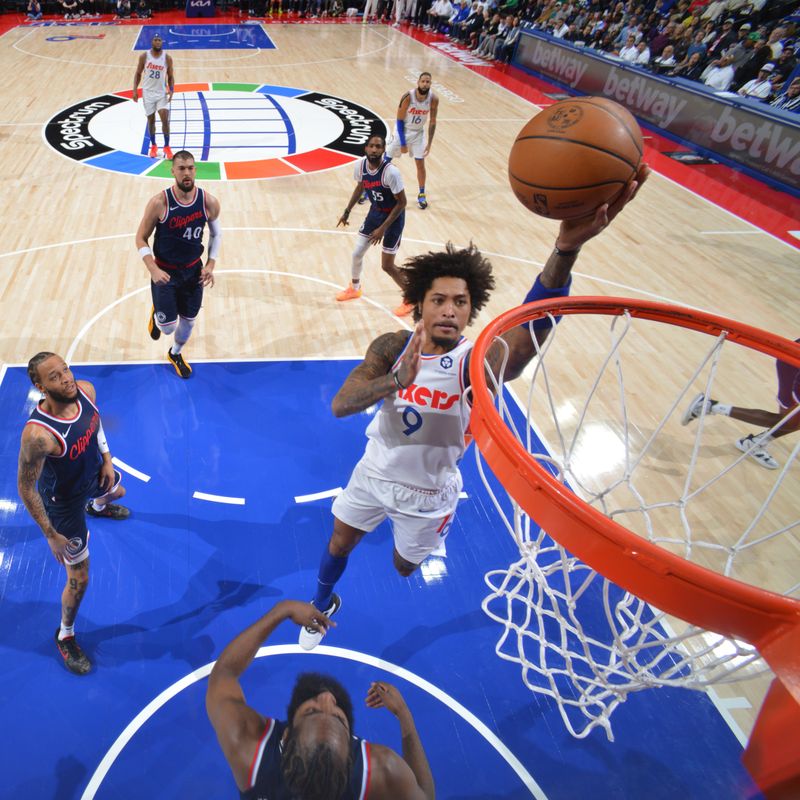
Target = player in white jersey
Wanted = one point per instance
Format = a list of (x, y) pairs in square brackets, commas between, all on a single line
[(154, 70), (409, 471), (417, 107)]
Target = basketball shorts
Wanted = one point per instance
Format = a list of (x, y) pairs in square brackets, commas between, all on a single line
[(182, 295), (153, 103), (394, 233), (68, 517), (416, 141), (421, 518)]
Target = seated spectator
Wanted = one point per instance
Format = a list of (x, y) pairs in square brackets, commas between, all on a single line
[(719, 74), (785, 65), (789, 99), (488, 30), (505, 50), (759, 55), (486, 49), (691, 68), (629, 52), (70, 8), (774, 41), (123, 9), (663, 37), (34, 9), (760, 87), (143, 10), (642, 54), (666, 61), (697, 45)]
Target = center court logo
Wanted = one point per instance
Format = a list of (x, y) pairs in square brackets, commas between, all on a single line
[(235, 131)]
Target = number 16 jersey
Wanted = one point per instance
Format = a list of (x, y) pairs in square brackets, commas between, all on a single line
[(178, 242)]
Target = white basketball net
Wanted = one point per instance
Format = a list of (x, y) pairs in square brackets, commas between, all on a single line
[(579, 638)]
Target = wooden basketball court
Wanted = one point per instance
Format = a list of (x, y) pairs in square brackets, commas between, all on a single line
[(73, 282)]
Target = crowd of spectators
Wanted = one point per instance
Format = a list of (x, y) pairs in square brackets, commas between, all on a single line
[(743, 46)]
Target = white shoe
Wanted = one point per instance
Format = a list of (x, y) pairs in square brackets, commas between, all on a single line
[(756, 450), (696, 408), (309, 638)]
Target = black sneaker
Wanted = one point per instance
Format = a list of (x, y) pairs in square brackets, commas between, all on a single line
[(309, 638), (152, 328), (74, 658), (181, 367), (109, 511)]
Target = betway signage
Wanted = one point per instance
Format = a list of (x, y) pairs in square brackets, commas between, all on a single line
[(768, 143)]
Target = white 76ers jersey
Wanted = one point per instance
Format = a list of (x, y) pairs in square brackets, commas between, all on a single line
[(154, 77), (418, 112), (420, 434)]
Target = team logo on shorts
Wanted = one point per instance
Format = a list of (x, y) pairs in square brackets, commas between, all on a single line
[(446, 362), (235, 131), (74, 545)]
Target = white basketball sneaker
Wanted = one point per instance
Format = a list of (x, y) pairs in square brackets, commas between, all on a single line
[(309, 638), (756, 450), (696, 408)]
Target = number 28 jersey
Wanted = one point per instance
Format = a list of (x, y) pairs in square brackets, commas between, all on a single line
[(420, 433), (178, 242)]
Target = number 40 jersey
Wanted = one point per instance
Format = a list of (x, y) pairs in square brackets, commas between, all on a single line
[(420, 433), (178, 242)]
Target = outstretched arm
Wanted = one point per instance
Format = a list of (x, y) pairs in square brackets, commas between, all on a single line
[(553, 279), (410, 777), (239, 727), (372, 379)]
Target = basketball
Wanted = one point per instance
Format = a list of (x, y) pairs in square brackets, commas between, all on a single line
[(574, 156)]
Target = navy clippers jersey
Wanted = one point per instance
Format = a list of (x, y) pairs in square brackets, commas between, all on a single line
[(380, 195), (266, 781), (178, 241), (72, 471)]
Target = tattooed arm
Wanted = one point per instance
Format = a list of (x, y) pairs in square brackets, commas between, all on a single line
[(36, 445), (372, 379)]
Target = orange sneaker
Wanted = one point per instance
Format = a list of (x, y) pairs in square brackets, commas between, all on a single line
[(348, 294), (167, 152), (403, 310), (153, 152)]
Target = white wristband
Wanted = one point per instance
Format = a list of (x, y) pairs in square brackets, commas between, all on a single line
[(102, 443), (145, 251)]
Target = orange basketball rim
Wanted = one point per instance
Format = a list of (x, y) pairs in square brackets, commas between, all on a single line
[(768, 621)]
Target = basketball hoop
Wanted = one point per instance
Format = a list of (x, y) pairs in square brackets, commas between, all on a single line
[(577, 555)]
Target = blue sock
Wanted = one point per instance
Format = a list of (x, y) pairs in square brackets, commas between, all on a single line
[(166, 140), (330, 570)]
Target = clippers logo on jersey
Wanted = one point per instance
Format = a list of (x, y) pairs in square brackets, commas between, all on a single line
[(79, 447), (236, 131)]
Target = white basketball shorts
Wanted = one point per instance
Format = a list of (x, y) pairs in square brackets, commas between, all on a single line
[(416, 141), (153, 103), (421, 518)]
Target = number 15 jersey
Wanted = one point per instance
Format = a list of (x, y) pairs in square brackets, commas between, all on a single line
[(178, 242), (420, 433)]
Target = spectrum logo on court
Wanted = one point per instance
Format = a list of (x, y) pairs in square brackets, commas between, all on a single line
[(235, 131)]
